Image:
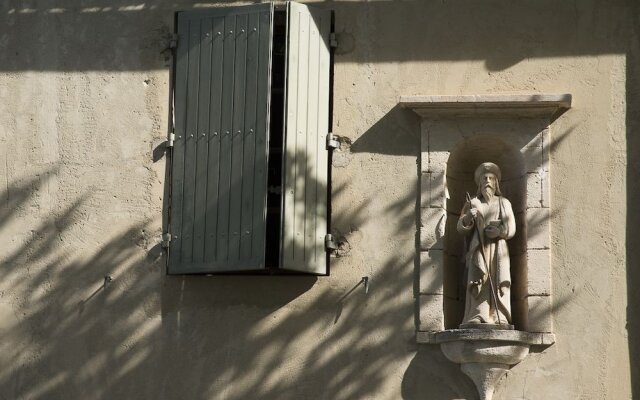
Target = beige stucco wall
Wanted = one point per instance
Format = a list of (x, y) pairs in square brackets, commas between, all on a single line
[(84, 101)]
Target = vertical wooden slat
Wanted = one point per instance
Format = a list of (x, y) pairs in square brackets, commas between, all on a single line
[(177, 155), (265, 34), (322, 160), (215, 118), (289, 172), (201, 139), (249, 136), (306, 170), (222, 87), (190, 137), (235, 205), (300, 150), (222, 246), (311, 149)]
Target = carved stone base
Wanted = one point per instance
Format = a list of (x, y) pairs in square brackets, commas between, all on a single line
[(485, 355), (485, 376)]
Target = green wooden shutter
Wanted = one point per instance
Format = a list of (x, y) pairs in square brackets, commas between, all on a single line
[(305, 171), (219, 159)]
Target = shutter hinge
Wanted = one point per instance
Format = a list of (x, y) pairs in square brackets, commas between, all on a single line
[(166, 240), (332, 142), (333, 42), (172, 138), (329, 243), (173, 40)]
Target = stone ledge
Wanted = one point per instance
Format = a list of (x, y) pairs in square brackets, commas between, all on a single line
[(533, 338), (518, 105)]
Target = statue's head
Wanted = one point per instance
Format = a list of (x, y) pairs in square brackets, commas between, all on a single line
[(487, 177)]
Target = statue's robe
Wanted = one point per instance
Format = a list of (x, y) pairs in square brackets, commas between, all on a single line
[(480, 305)]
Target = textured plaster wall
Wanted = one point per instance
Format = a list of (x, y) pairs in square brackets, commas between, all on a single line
[(84, 101)]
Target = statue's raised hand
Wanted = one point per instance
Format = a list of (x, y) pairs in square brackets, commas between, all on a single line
[(470, 215)]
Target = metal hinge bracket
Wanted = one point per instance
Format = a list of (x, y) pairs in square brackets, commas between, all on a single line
[(333, 41), (166, 240), (329, 243), (332, 142), (171, 140)]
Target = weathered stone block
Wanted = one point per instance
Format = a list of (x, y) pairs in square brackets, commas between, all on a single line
[(539, 272), (532, 159), (438, 161), (432, 189), (433, 222), (534, 190), (546, 148), (432, 272), (425, 189), (431, 312), (432, 216), (532, 154), (424, 161), (539, 318), (430, 239), (538, 228), (545, 184), (438, 189)]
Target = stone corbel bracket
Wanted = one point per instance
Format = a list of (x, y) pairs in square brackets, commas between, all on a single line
[(521, 122), (486, 355)]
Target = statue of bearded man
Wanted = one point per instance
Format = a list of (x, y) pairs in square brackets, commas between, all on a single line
[(488, 222)]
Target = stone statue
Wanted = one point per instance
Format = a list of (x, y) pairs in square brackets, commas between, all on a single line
[(488, 222)]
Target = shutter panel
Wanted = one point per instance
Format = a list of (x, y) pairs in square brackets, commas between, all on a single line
[(219, 159), (305, 172)]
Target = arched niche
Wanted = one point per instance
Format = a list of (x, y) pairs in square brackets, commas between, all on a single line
[(463, 160), (457, 134)]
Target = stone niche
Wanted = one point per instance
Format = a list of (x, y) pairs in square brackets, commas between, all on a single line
[(459, 133)]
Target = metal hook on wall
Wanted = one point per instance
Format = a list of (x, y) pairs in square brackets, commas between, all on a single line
[(365, 281)]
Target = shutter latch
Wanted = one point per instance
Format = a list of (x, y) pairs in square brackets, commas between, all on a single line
[(333, 42), (172, 138), (332, 142), (166, 240), (329, 243)]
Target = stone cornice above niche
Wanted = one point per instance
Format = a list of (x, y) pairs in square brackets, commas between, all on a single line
[(548, 106), (459, 133)]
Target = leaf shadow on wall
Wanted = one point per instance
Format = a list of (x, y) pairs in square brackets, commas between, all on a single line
[(290, 337), (103, 354)]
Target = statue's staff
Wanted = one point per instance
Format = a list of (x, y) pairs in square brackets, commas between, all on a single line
[(484, 259)]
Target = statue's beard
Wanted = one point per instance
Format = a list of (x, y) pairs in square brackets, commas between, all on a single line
[(488, 192)]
